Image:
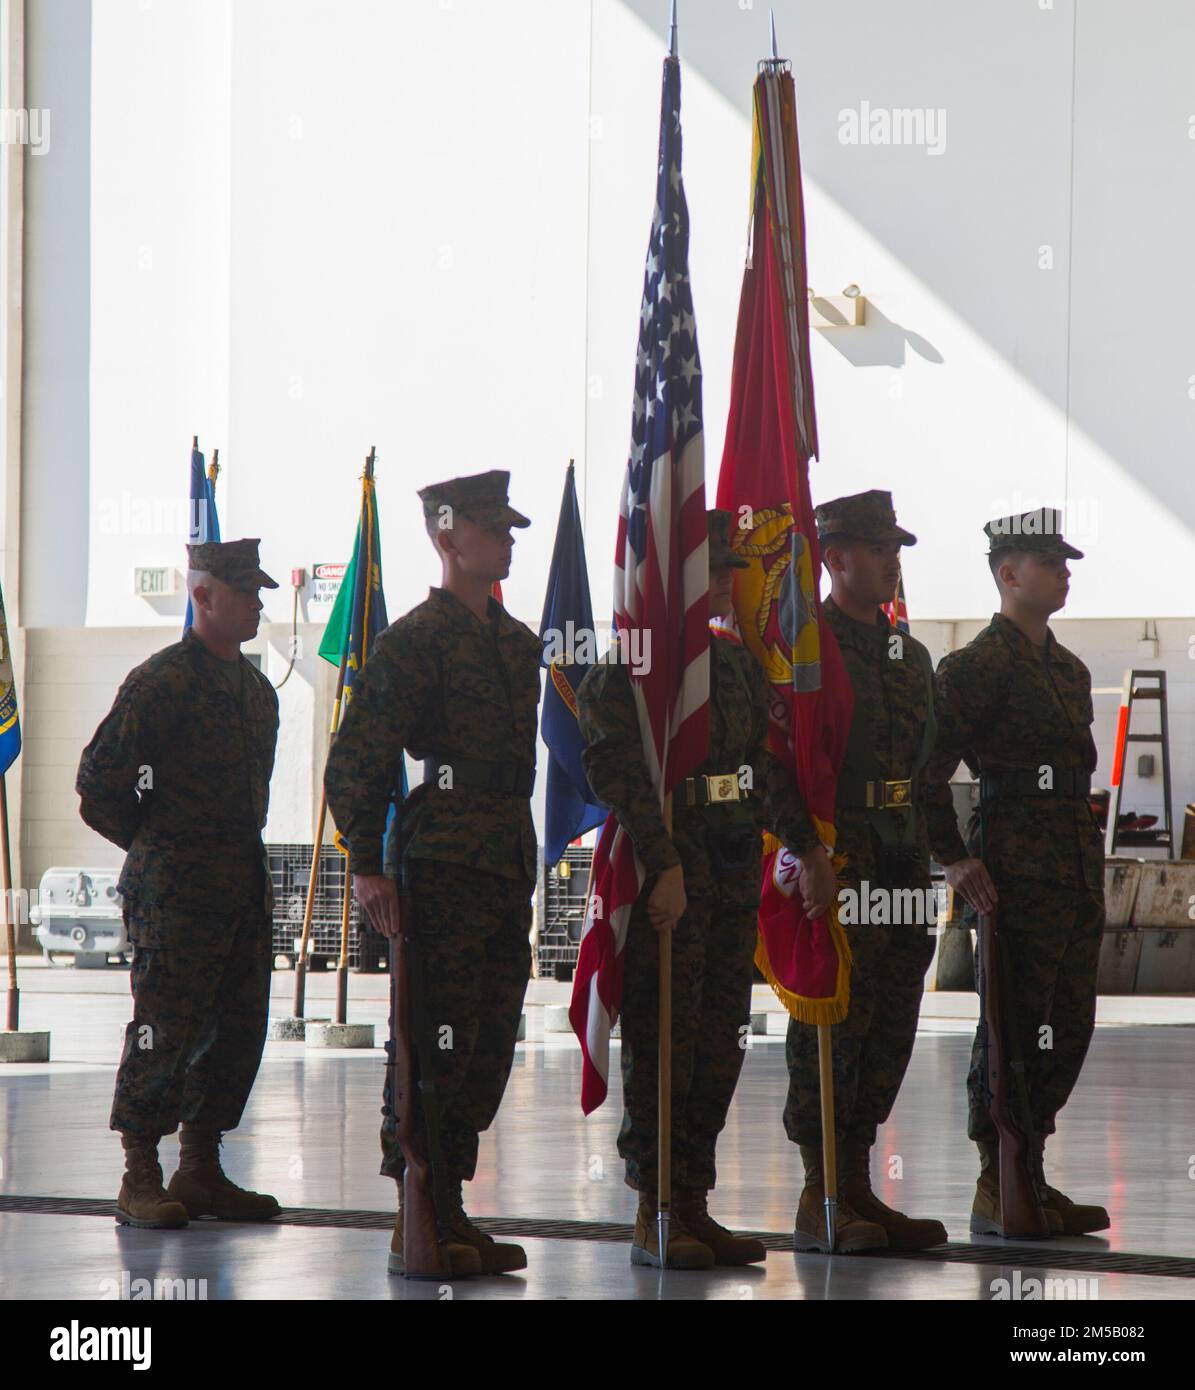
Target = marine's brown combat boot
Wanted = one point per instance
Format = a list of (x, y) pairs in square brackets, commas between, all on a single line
[(496, 1258), (1075, 1218), (142, 1200), (852, 1231), (903, 1232), (729, 1249), (685, 1251), (202, 1187), (463, 1259), (986, 1216)]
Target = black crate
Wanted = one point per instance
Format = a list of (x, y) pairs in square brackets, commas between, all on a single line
[(290, 870), (563, 917)]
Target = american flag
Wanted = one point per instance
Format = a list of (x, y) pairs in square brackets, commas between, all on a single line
[(661, 585)]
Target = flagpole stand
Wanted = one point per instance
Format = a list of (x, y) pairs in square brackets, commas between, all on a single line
[(15, 1046), (829, 1137), (341, 1034)]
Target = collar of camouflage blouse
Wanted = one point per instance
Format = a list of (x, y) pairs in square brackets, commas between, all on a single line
[(867, 631), (1021, 640), (466, 617)]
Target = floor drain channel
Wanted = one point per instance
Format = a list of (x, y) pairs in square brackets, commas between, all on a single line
[(1040, 1256)]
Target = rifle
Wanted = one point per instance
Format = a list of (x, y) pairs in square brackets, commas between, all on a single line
[(425, 1183), (1021, 1211)]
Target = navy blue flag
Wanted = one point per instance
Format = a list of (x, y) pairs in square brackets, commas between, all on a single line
[(570, 649), (203, 524)]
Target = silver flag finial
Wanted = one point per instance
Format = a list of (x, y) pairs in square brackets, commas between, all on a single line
[(672, 31), (775, 50)]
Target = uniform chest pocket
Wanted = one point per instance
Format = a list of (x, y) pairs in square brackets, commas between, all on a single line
[(481, 690)]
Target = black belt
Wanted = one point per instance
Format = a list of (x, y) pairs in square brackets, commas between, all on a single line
[(1026, 781), (708, 789), (883, 794), (512, 779)]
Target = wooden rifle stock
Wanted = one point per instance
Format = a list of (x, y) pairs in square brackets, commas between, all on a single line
[(424, 1255), (1021, 1211)]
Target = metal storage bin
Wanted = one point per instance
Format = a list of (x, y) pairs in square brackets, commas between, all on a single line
[(290, 868), (563, 915)]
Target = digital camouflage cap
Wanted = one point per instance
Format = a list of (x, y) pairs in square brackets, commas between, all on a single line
[(1039, 530), (480, 498), (864, 516), (721, 555), (235, 562)]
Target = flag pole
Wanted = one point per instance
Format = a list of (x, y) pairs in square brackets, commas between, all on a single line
[(672, 53), (342, 965), (10, 936), (664, 1099), (825, 1064), (309, 907)]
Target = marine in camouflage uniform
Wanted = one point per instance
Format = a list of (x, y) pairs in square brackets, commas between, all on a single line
[(178, 776), (459, 693), (717, 843), (1019, 714), (881, 832)]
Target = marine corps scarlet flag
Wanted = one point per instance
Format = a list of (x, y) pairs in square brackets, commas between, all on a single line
[(771, 435)]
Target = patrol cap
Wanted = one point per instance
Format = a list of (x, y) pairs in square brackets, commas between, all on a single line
[(1039, 530), (235, 562), (721, 555), (864, 516), (480, 498)]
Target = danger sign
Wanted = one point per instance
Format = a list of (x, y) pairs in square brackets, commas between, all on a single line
[(325, 582)]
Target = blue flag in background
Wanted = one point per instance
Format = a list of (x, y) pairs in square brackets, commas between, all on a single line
[(203, 524), (566, 630), (10, 722)]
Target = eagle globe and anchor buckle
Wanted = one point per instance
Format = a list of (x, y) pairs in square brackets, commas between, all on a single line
[(708, 788), (887, 796)]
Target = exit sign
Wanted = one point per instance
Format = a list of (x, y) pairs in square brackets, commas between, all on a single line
[(158, 582)]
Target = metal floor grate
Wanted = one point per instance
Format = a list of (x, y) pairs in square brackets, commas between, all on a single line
[(1037, 1256)]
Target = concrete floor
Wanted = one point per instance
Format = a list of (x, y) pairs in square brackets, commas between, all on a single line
[(310, 1137)]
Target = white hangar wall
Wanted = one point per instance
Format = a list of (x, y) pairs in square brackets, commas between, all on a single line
[(315, 227)]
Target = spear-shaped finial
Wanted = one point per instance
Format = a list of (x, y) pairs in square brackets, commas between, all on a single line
[(672, 31), (775, 50), (369, 461)]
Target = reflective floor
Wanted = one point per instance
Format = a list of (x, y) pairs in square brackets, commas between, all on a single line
[(1127, 1140)]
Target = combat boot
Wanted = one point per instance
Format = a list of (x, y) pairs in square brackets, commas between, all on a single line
[(852, 1231), (202, 1187), (463, 1260), (692, 1209), (1074, 1218), (142, 1200), (903, 1232), (496, 1257), (685, 1250), (986, 1215)]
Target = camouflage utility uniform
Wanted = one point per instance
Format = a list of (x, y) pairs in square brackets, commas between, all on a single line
[(881, 832), (460, 694), (1020, 717), (718, 845), (178, 776), (886, 849)]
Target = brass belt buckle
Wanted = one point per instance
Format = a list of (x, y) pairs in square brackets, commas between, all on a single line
[(898, 792), (722, 786)]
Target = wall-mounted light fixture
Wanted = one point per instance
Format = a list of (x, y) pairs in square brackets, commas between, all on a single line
[(845, 310)]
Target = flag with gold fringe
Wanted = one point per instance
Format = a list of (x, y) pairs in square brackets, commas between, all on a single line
[(771, 435)]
